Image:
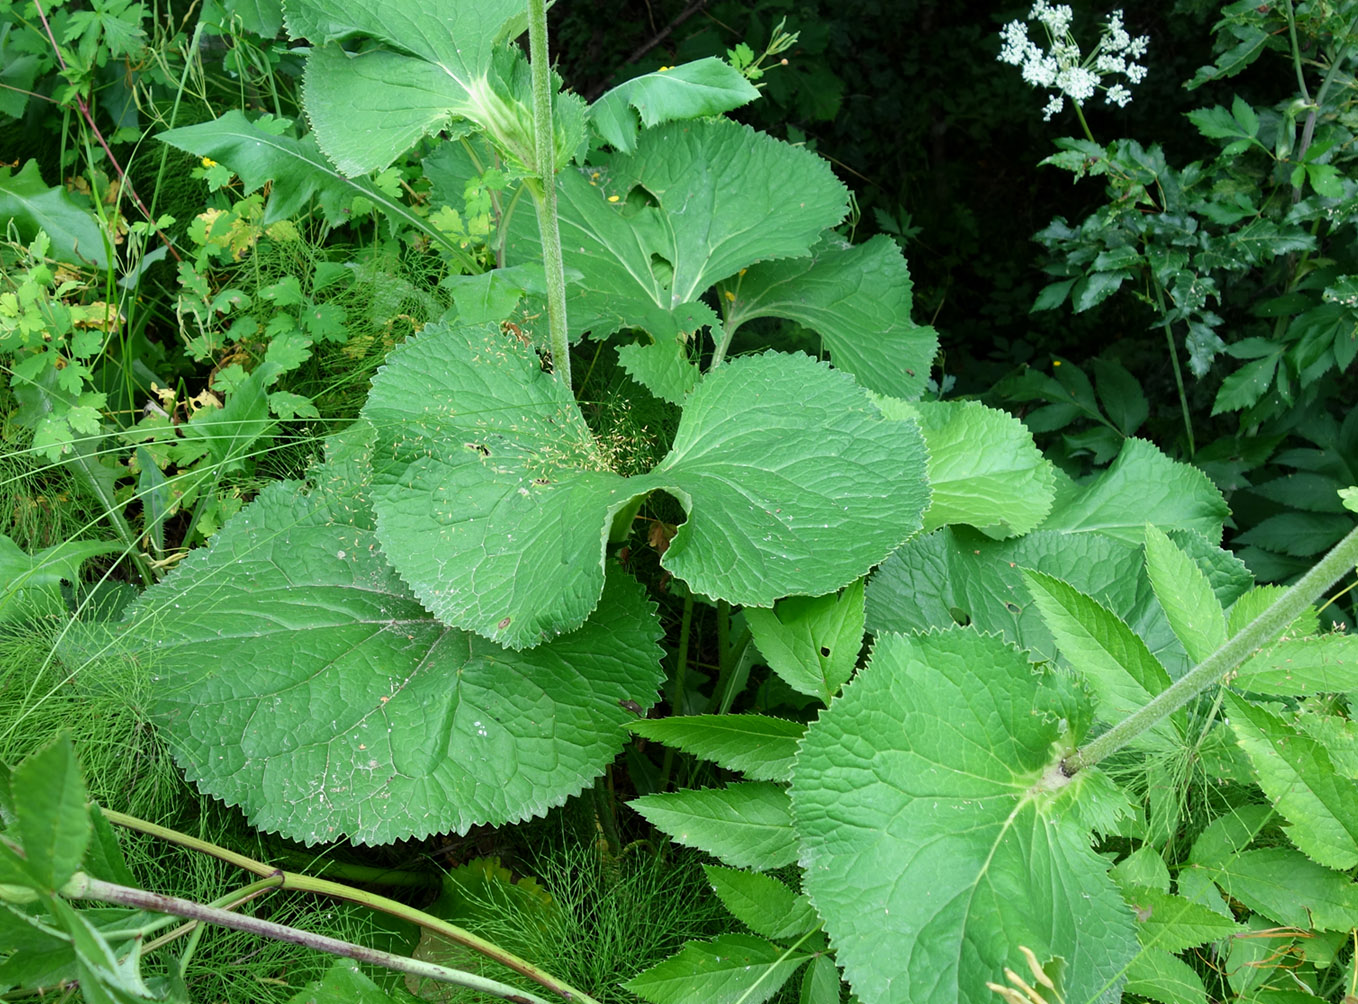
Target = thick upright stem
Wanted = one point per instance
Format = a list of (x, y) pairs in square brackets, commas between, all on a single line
[(544, 145), (1213, 669)]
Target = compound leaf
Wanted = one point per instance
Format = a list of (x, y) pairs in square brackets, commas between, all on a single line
[(762, 903), (937, 835), (494, 500), (1296, 772)]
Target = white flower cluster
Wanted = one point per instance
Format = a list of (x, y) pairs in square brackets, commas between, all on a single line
[(1062, 67)]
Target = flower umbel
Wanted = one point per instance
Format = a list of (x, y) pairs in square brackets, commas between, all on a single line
[(1063, 69)]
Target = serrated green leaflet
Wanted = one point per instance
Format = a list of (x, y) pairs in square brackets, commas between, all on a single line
[(758, 746), (1185, 595), (1141, 486), (929, 770), (1297, 666), (54, 823), (984, 468), (31, 584), (494, 500), (1296, 773), (956, 575), (748, 824), (1172, 923), (1116, 664), (812, 642), (857, 298), (729, 968), (302, 681), (695, 203), (703, 87), (1289, 888), (1160, 976), (762, 903)]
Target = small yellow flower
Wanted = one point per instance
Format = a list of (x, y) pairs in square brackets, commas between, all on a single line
[(612, 198), (664, 68), (730, 297), (209, 162), (1056, 362)]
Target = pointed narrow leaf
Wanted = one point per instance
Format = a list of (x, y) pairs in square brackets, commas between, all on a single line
[(1142, 486), (935, 837), (302, 681), (1186, 596), (748, 824), (1289, 888), (733, 967), (759, 746), (54, 823), (707, 86), (812, 642), (494, 500), (1160, 976), (1116, 663), (762, 903), (984, 468), (820, 983), (1299, 666), (1296, 772), (1173, 924), (858, 299)]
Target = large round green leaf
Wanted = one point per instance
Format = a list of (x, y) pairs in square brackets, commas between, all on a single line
[(301, 681), (494, 501), (936, 838)]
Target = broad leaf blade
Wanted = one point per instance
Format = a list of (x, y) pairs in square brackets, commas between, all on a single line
[(1296, 772), (858, 299), (748, 824), (1141, 486), (1185, 595), (929, 769), (494, 500), (733, 967), (33, 206), (762, 903), (691, 90), (1288, 888), (759, 746), (812, 642), (956, 575), (984, 468), (303, 682)]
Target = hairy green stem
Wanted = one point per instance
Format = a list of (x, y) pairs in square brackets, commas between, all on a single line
[(336, 890), (82, 886), (1079, 113), (544, 142), (1287, 608), (677, 704), (1174, 360)]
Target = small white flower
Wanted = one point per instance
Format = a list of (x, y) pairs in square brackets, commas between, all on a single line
[(1118, 95), (1063, 68), (1078, 82)]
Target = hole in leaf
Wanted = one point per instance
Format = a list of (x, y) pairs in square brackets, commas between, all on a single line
[(824, 652), (1013, 608), (959, 616)]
